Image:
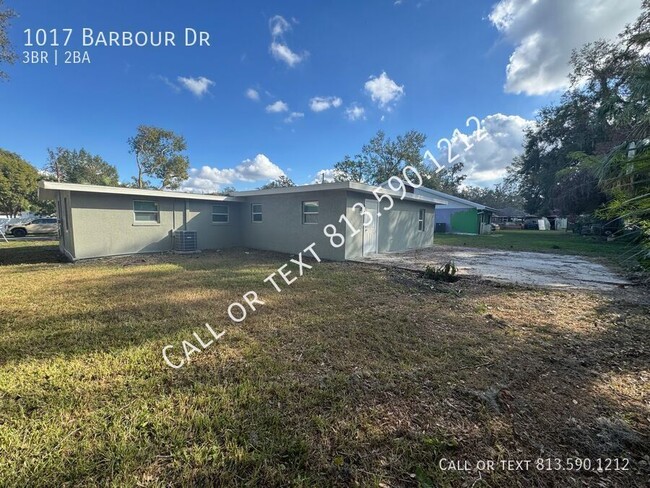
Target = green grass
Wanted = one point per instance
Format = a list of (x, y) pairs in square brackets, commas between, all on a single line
[(353, 375), (559, 242), (29, 252)]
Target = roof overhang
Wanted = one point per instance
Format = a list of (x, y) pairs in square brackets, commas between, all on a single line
[(47, 191), (339, 185), (456, 199)]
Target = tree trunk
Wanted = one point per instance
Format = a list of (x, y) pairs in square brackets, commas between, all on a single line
[(137, 162)]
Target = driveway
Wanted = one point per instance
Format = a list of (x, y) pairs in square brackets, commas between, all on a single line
[(527, 268)]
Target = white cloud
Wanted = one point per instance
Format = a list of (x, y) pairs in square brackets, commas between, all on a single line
[(486, 161), (277, 107), (278, 25), (544, 32), (318, 104), (198, 86), (282, 52), (325, 175), (252, 94), (355, 112), (294, 116), (279, 49), (384, 91), (208, 179), (168, 82)]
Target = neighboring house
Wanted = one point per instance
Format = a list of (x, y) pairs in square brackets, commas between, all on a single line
[(104, 221), (509, 218), (459, 216)]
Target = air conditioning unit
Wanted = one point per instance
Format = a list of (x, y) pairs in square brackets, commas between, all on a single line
[(186, 241)]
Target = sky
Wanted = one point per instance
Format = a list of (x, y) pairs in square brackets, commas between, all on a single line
[(291, 87)]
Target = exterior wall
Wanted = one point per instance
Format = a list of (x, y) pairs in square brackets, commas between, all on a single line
[(104, 225), (443, 216), (354, 244), (397, 227), (282, 229), (212, 235), (66, 224), (465, 221)]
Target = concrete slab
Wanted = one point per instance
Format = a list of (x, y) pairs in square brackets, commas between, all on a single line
[(528, 268)]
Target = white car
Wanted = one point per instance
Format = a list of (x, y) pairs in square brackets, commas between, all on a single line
[(45, 225)]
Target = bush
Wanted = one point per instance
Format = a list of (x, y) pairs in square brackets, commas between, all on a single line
[(446, 272)]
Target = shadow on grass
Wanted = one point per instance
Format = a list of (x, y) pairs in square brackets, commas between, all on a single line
[(30, 252)]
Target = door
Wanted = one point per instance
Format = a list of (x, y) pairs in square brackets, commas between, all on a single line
[(370, 231)]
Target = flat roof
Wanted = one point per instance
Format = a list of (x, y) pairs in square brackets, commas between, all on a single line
[(339, 185), (456, 199), (47, 190)]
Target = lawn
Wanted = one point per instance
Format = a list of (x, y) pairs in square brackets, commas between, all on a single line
[(353, 375), (558, 242), (29, 251)]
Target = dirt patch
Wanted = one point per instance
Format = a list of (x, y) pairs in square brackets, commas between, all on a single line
[(527, 268)]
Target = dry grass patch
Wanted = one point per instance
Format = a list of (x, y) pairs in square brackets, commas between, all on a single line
[(354, 375)]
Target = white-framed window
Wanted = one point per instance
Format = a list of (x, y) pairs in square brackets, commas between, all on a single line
[(146, 211), (219, 214), (310, 212), (256, 212), (421, 215)]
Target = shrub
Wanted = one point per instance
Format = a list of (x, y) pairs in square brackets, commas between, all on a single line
[(446, 272)]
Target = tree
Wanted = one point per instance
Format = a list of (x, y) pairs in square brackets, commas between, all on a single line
[(605, 110), (281, 182), (449, 180), (158, 154), (18, 183), (502, 195), (591, 152), (80, 167), (382, 158), (227, 191), (6, 53)]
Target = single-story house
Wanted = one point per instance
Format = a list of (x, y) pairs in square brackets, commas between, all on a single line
[(459, 216), (105, 221)]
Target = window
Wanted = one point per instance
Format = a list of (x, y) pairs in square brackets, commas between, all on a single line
[(256, 212), (421, 215), (145, 211), (310, 212), (220, 214)]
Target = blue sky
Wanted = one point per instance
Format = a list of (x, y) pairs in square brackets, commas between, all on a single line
[(394, 65)]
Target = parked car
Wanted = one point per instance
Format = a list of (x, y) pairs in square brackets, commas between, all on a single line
[(46, 225), (531, 224), (495, 227)]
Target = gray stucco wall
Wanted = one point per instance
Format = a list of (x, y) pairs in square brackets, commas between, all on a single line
[(104, 225), (66, 224), (282, 228), (397, 227), (212, 235)]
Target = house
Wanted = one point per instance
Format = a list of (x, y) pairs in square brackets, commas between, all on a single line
[(105, 221), (509, 218), (459, 216)]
